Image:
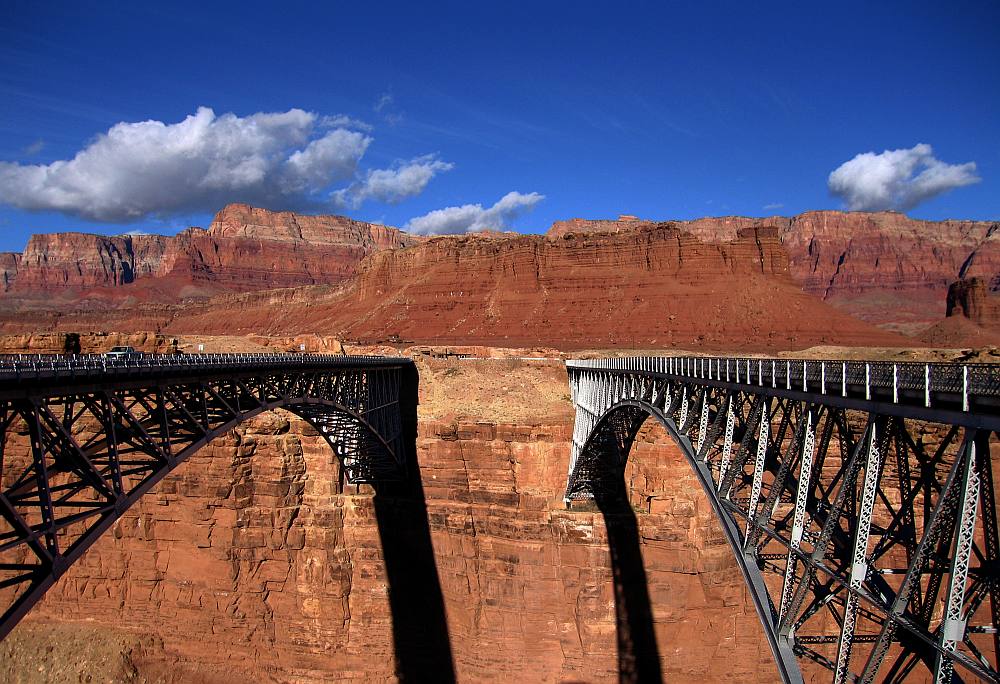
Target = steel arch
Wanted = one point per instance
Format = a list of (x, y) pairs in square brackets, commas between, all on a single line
[(96, 443), (787, 664), (886, 553)]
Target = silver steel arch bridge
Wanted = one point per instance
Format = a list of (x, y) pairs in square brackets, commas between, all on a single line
[(82, 438), (858, 498)]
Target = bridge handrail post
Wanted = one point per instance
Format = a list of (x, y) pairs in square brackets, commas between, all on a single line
[(822, 377), (895, 383), (965, 387), (868, 381), (805, 386)]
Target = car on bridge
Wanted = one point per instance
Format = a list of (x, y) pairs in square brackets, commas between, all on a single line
[(122, 352)]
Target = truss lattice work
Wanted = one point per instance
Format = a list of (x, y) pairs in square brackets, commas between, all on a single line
[(858, 498), (82, 438)]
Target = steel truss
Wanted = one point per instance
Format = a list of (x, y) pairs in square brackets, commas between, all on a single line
[(863, 518), (81, 440)]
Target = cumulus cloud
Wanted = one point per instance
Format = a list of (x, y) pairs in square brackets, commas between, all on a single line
[(897, 179), (473, 217), (393, 185), (135, 170)]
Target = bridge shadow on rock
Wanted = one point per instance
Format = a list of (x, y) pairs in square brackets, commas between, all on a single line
[(638, 655), (419, 622)]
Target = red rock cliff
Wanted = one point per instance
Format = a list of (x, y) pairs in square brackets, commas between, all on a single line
[(653, 287), (972, 299), (245, 248), (886, 257), (9, 261)]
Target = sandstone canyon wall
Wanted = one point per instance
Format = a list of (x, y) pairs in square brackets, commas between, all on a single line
[(252, 563), (719, 283), (973, 299)]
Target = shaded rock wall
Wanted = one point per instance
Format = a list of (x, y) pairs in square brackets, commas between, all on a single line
[(90, 343)]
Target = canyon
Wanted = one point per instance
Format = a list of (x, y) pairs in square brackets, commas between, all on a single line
[(252, 562)]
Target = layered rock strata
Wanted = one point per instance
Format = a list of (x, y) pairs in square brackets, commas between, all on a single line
[(879, 265), (646, 288), (244, 248), (973, 299)]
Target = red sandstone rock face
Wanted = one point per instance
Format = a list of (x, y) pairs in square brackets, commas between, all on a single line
[(57, 260), (972, 299), (655, 287), (244, 249), (250, 563), (860, 256), (9, 261)]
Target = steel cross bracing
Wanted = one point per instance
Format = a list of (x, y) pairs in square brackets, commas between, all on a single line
[(82, 438), (858, 497)]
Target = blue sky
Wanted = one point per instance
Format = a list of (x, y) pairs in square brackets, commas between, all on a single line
[(533, 111)]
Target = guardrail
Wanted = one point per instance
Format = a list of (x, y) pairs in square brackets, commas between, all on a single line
[(28, 366), (845, 378)]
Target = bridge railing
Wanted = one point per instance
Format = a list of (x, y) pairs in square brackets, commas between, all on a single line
[(27, 366), (873, 379)]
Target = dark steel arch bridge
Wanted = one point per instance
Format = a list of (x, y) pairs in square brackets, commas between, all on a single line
[(858, 498), (82, 438)]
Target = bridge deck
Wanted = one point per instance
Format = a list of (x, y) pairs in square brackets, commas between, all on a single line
[(50, 374), (958, 394)]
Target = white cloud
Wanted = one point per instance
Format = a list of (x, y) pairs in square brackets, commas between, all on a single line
[(897, 179), (393, 185), (281, 160), (385, 99), (773, 205), (344, 121), (473, 217)]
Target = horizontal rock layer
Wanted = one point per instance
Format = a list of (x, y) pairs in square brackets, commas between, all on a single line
[(245, 248), (859, 256), (655, 287)]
